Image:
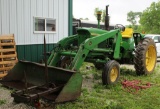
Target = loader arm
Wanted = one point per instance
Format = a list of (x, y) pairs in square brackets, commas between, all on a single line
[(54, 57), (92, 42)]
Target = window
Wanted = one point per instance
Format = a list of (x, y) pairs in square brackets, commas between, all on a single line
[(44, 25), (156, 39)]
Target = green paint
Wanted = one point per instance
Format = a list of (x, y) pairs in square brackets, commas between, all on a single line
[(99, 13), (72, 89), (79, 58), (28, 53), (20, 52), (94, 45), (32, 53), (87, 44), (70, 14), (117, 42)]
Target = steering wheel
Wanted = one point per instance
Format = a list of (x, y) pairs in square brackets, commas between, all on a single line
[(119, 26)]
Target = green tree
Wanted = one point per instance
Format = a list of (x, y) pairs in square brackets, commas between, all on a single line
[(86, 19), (132, 17), (81, 18), (103, 15), (150, 19)]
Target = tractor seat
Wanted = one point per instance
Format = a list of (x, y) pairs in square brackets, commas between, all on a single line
[(128, 33)]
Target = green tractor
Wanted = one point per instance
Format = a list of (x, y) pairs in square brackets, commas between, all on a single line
[(106, 50), (59, 78)]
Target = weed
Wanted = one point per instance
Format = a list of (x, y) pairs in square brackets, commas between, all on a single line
[(97, 76), (85, 91), (87, 77), (2, 102)]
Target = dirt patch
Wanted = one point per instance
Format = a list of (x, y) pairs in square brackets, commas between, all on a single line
[(88, 81), (128, 66)]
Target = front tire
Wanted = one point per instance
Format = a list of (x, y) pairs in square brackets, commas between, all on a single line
[(110, 73), (145, 57)]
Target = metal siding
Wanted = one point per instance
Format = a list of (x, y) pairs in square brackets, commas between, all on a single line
[(27, 22), (17, 17), (34, 37), (70, 14), (50, 47), (39, 8), (28, 53), (39, 52), (56, 16), (50, 15), (11, 14), (39, 14), (61, 19), (45, 8), (57, 9), (50, 8), (65, 10), (36, 50), (5, 16), (20, 52), (20, 23), (13, 18), (45, 14)]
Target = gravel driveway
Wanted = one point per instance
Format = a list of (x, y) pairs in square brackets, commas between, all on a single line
[(6, 101)]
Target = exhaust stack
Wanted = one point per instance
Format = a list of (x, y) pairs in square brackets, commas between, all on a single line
[(107, 19)]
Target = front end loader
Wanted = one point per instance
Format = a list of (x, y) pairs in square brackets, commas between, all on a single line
[(28, 79)]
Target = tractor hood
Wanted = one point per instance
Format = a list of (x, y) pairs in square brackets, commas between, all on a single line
[(91, 31)]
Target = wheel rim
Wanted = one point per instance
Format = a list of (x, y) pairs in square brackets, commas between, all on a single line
[(114, 74), (150, 58)]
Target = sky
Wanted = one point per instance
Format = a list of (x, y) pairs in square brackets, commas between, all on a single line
[(118, 9)]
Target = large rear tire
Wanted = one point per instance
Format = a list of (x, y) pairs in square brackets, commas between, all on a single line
[(110, 73), (145, 57)]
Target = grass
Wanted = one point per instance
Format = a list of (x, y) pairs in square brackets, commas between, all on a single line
[(99, 96), (2, 102)]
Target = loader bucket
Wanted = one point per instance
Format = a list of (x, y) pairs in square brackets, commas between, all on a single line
[(29, 80)]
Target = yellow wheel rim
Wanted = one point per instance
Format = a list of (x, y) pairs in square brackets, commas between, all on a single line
[(114, 74), (150, 58)]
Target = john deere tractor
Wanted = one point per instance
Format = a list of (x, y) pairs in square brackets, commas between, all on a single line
[(59, 78), (106, 50)]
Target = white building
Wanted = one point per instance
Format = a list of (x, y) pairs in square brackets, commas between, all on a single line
[(29, 20)]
